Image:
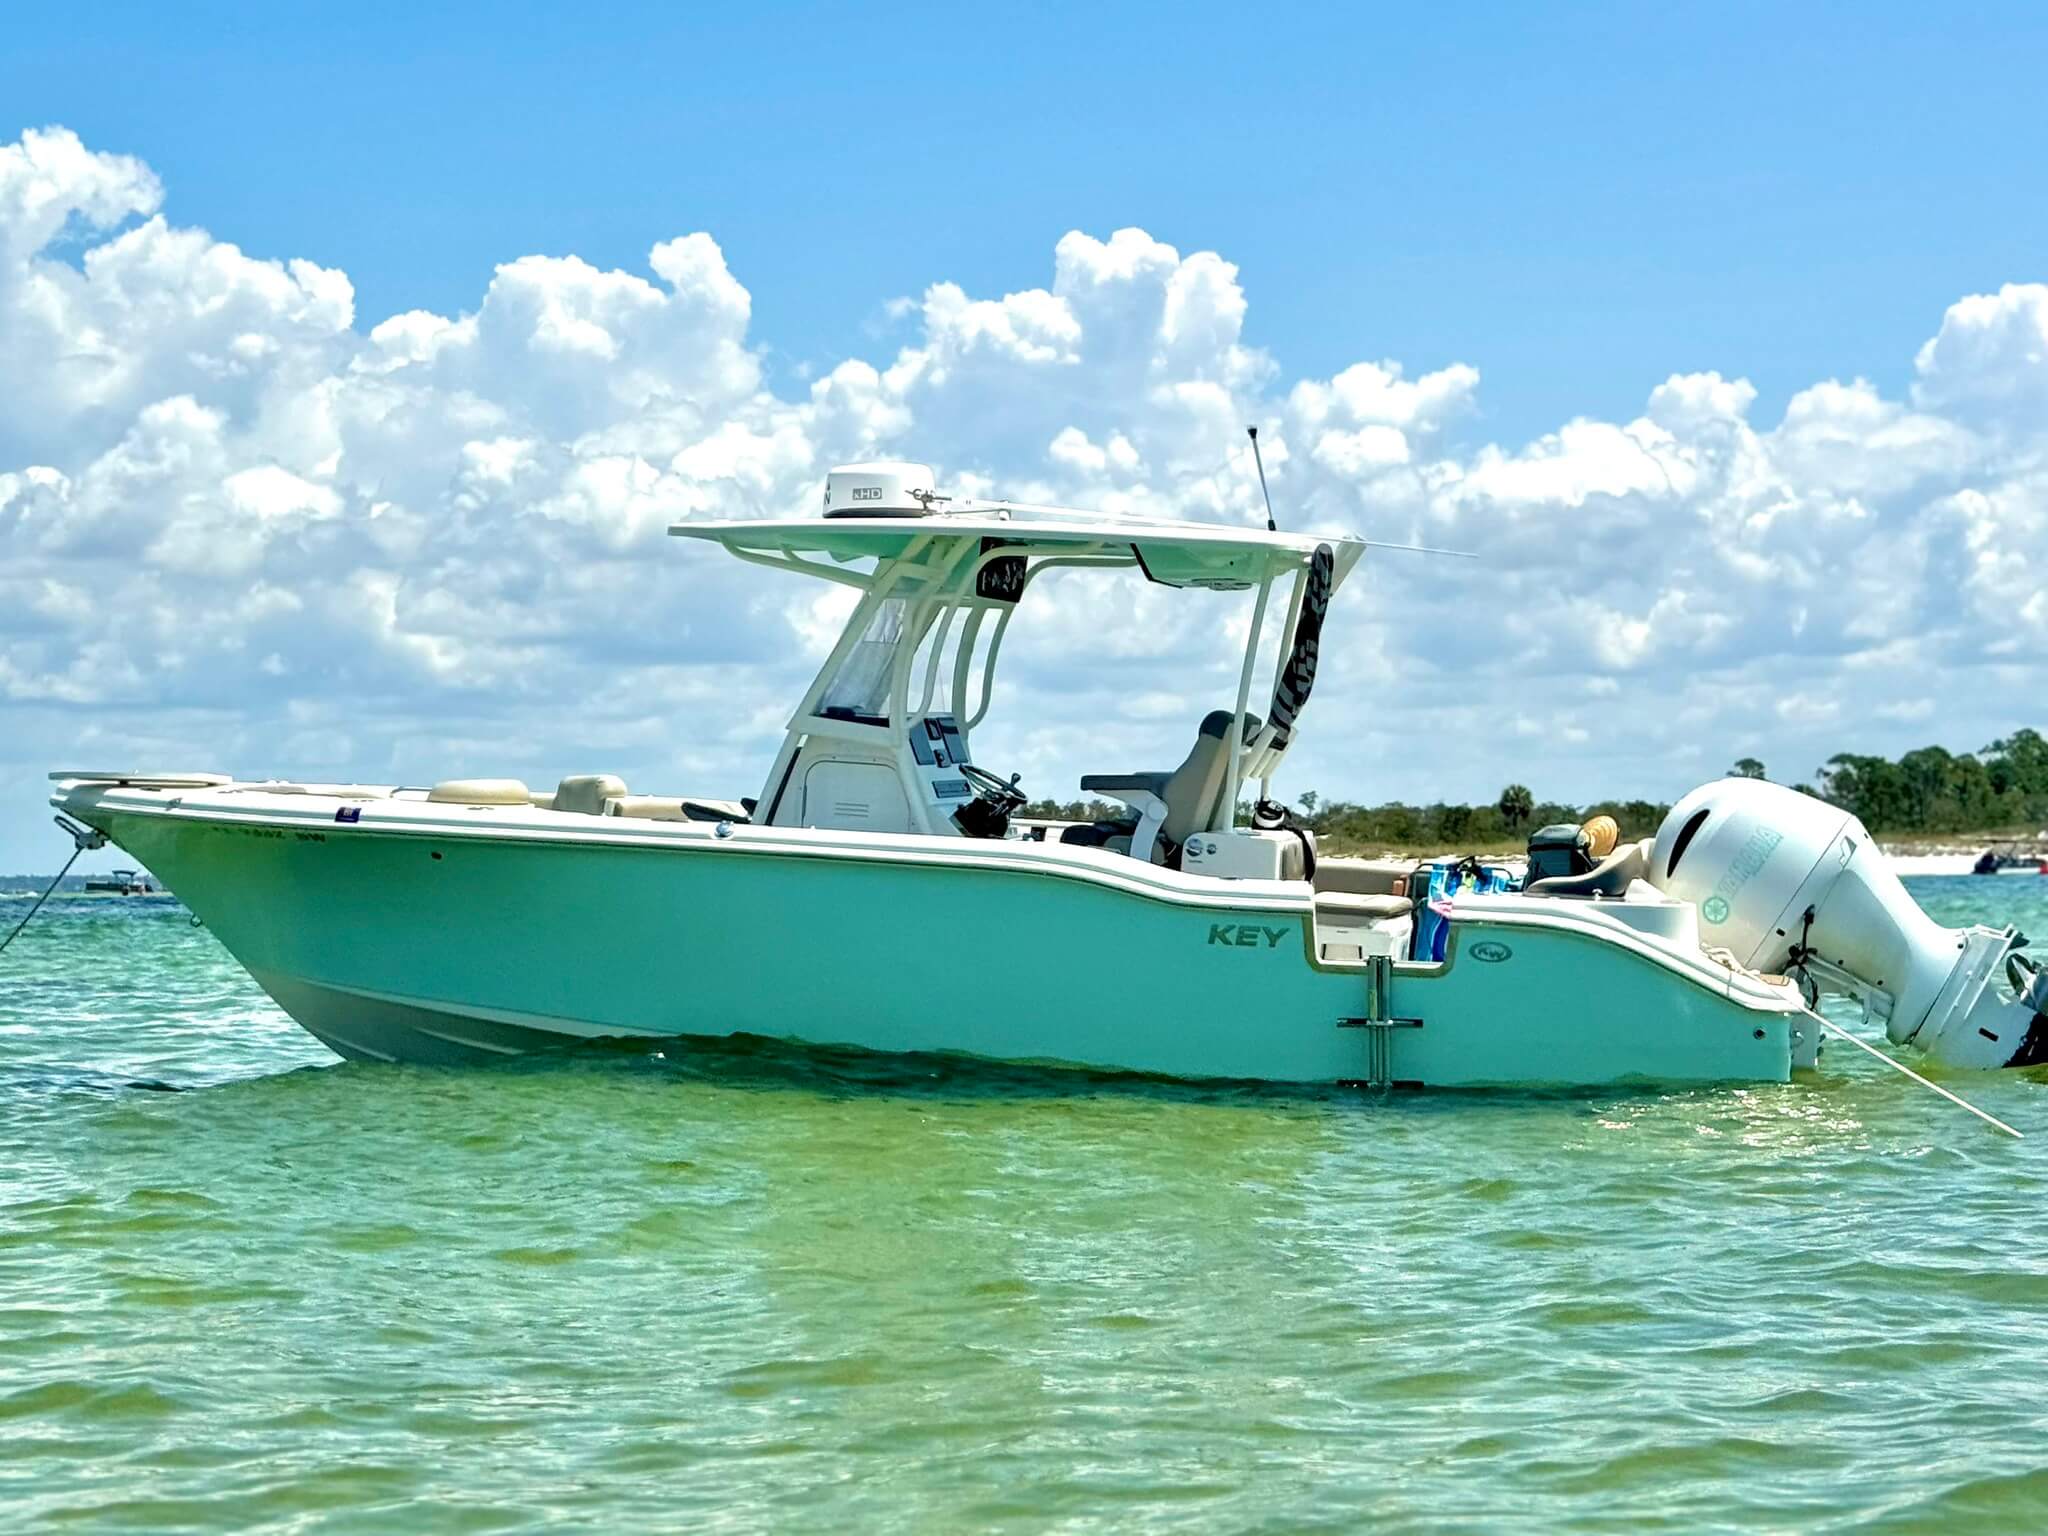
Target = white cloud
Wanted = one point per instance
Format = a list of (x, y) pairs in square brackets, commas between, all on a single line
[(1990, 357), (242, 526)]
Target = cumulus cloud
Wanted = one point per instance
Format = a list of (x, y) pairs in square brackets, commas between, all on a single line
[(1990, 357), (242, 526)]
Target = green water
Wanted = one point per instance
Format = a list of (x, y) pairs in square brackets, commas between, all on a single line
[(245, 1288)]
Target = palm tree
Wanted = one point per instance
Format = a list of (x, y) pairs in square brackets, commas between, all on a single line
[(1516, 805)]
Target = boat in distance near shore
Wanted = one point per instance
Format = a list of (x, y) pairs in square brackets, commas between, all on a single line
[(882, 892), (120, 882), (2013, 858)]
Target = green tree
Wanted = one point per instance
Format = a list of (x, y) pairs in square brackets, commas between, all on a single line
[(1515, 804), (2018, 768), (1747, 768), (1636, 818), (1923, 788), (1868, 788), (1308, 802)]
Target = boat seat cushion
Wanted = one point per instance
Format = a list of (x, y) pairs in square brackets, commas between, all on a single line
[(588, 792), (1363, 877), (1611, 877), (1342, 906), (480, 792)]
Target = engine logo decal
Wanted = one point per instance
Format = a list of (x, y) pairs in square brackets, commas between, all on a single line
[(1749, 858)]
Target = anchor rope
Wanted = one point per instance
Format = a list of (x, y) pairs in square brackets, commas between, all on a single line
[(32, 911), (1830, 1027), (1899, 1066), (83, 840)]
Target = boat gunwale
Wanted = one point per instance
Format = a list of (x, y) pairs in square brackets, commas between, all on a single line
[(1059, 860)]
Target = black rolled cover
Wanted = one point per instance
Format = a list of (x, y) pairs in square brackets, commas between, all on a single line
[(1298, 677)]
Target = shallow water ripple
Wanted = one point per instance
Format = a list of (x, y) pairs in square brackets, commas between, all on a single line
[(748, 1288)]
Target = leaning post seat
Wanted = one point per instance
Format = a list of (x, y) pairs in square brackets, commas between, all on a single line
[(1169, 807)]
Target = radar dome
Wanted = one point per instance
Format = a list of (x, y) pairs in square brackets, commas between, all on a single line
[(880, 490)]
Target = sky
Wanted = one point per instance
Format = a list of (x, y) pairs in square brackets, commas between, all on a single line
[(352, 364)]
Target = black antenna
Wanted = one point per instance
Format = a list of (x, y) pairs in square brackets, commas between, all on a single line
[(1253, 433)]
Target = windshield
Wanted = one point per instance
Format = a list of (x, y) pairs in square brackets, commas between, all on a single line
[(859, 690)]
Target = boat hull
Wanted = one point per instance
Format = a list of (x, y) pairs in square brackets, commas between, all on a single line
[(462, 942)]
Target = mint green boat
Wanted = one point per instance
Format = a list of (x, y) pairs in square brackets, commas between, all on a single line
[(882, 891)]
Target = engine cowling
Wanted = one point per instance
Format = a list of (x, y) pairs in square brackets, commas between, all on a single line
[(1786, 882)]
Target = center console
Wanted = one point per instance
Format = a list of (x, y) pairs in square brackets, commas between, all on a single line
[(938, 750)]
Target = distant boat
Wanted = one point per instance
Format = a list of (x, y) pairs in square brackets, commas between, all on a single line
[(2008, 859), (121, 882)]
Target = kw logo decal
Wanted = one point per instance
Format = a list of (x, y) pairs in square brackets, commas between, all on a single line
[(1489, 951), (1246, 935)]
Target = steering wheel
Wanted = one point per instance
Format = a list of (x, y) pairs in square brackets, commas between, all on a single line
[(1001, 792)]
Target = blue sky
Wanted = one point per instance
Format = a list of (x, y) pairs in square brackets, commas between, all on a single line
[(1577, 200), (353, 360)]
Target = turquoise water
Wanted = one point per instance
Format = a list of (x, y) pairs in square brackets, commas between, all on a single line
[(243, 1287)]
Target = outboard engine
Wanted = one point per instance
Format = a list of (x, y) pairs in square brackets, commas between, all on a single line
[(1791, 884)]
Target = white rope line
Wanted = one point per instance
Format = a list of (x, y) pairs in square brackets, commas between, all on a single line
[(1898, 1066), (1727, 958)]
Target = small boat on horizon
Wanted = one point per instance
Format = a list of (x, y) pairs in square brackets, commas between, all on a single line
[(121, 882)]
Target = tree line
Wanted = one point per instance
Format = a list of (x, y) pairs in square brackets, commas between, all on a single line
[(2002, 788)]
